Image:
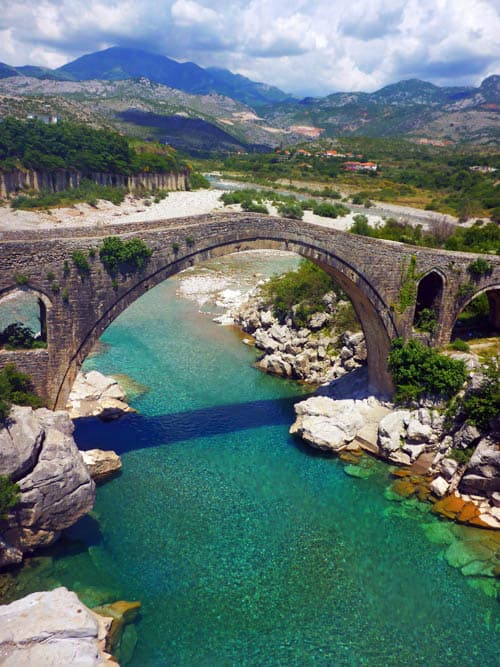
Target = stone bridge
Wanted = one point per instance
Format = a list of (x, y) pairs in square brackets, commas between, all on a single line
[(387, 283)]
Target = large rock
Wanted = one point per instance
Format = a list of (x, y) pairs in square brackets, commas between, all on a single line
[(56, 488), (392, 430), (49, 629), (482, 475), (101, 464), (329, 424), (96, 395), (20, 442), (318, 320)]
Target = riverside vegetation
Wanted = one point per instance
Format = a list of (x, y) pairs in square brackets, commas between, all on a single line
[(435, 178)]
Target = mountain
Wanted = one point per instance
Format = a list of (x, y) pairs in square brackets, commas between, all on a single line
[(7, 71), (118, 63), (102, 87), (407, 108)]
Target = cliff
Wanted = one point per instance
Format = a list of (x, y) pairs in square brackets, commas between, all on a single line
[(65, 179), (37, 451)]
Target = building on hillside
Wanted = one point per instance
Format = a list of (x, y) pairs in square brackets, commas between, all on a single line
[(482, 169), (360, 166), (48, 119)]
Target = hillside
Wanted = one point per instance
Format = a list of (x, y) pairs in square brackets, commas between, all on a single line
[(103, 103), (409, 108), (109, 88)]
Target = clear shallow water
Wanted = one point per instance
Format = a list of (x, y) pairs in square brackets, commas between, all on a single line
[(245, 547)]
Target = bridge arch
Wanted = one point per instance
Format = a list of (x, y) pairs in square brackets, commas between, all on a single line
[(38, 297), (493, 293), (373, 272), (430, 291), (375, 316)]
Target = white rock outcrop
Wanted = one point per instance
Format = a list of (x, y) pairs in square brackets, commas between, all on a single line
[(331, 424), (37, 451), (96, 395), (52, 628)]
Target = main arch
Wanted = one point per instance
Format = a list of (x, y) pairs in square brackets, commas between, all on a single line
[(370, 271)]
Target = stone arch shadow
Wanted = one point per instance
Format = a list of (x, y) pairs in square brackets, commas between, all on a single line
[(375, 316)]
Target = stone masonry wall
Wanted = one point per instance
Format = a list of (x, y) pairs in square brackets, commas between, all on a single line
[(369, 270)]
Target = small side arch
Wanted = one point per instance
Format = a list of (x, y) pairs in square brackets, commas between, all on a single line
[(35, 304), (492, 293), (429, 300)]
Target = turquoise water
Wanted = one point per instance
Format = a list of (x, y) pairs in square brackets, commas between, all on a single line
[(244, 546)]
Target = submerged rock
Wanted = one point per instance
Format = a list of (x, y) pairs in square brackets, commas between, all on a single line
[(38, 452)]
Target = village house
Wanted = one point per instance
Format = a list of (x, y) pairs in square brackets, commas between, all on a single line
[(360, 166)]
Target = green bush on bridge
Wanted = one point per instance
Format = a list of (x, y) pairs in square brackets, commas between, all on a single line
[(124, 257)]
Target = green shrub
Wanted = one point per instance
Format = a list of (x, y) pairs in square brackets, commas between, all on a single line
[(465, 290), (459, 345), (418, 370), (461, 456), (66, 268), (480, 267), (16, 387), (21, 279), (51, 276), (81, 262), (197, 181), (65, 295), (360, 226), (482, 405), (16, 336), (425, 320), (124, 256), (9, 495), (88, 192), (330, 210), (92, 253), (304, 287), (176, 247), (346, 318), (55, 288), (254, 207), (290, 210), (190, 241)]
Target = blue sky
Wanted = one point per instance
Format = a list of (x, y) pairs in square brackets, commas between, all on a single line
[(314, 47)]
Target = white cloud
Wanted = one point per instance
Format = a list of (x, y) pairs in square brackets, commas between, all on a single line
[(301, 46)]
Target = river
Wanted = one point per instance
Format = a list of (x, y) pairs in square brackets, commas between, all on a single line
[(244, 546)]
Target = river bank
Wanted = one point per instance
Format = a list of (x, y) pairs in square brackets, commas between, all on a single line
[(457, 465)]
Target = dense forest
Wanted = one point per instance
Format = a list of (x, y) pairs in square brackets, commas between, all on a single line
[(36, 145)]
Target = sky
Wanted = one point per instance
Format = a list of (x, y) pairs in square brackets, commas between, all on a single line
[(312, 47)]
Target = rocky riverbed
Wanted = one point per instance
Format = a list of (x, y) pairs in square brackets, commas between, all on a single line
[(459, 462)]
